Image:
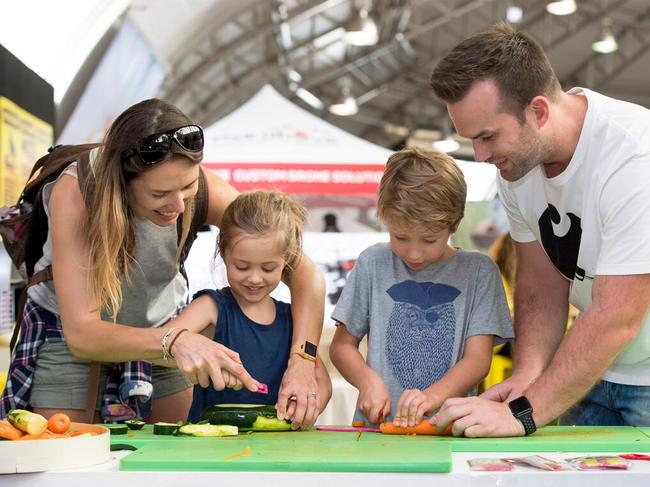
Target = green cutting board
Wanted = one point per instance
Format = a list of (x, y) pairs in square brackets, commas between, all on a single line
[(560, 439), (297, 453)]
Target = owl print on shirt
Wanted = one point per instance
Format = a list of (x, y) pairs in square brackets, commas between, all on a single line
[(420, 332)]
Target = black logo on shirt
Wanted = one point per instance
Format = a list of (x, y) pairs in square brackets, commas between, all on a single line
[(561, 249)]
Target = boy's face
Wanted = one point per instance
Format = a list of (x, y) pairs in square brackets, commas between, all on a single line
[(254, 265), (418, 247)]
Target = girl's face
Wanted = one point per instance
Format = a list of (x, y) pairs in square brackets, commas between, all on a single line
[(161, 193), (254, 265)]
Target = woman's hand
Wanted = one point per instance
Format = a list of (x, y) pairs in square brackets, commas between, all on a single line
[(298, 399), (201, 360)]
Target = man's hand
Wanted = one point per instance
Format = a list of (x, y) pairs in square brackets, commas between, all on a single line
[(374, 398), (477, 417), (413, 404), (298, 400), (509, 389), (200, 359)]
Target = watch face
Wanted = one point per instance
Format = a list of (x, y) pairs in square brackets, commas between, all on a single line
[(310, 349), (519, 405)]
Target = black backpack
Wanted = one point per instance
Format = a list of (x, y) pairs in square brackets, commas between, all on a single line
[(24, 226)]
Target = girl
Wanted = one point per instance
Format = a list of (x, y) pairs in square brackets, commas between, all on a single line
[(260, 242), (117, 279)]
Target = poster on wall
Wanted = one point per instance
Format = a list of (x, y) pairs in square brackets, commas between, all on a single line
[(23, 139)]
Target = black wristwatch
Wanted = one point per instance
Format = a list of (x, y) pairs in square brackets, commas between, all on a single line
[(523, 411)]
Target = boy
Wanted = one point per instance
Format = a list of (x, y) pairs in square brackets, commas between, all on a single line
[(431, 311)]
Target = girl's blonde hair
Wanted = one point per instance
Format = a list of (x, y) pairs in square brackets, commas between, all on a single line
[(262, 212), (109, 225), (423, 189)]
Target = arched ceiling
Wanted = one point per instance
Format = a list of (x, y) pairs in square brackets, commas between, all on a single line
[(219, 53)]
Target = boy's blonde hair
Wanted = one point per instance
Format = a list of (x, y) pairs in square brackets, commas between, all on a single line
[(262, 212), (422, 188)]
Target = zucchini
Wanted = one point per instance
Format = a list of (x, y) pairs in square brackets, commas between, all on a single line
[(208, 430), (164, 428), (253, 417), (117, 429), (134, 424)]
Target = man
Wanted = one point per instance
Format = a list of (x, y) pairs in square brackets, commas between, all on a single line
[(575, 181)]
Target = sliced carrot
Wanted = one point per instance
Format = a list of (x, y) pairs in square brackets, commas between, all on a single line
[(9, 432), (423, 428), (58, 423), (45, 435), (358, 424)]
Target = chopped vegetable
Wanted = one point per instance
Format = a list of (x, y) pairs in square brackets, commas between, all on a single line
[(9, 432), (358, 424), (423, 428), (208, 430), (246, 417), (117, 429), (58, 423), (30, 423), (165, 428), (134, 424)]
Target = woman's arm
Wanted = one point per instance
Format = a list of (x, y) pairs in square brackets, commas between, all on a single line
[(307, 288), (87, 335)]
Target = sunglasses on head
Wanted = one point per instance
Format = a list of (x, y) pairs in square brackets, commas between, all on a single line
[(153, 148)]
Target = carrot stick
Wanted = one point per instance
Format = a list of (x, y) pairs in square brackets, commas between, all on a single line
[(423, 428), (9, 432)]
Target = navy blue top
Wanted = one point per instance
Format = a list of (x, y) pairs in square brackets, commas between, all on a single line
[(263, 349)]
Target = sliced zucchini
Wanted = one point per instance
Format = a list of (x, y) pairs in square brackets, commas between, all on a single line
[(134, 424), (117, 429), (245, 416), (262, 423), (208, 430), (164, 428)]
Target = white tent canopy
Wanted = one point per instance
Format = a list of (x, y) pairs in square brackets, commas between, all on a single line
[(269, 142)]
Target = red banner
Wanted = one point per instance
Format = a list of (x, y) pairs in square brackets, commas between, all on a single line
[(301, 178)]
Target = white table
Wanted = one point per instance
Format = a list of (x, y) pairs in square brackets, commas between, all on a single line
[(108, 475)]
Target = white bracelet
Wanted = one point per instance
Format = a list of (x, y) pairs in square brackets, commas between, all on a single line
[(163, 343)]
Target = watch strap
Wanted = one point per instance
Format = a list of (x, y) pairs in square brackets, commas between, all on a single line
[(523, 411), (306, 350)]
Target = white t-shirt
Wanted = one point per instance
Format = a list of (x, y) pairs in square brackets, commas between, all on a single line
[(594, 217)]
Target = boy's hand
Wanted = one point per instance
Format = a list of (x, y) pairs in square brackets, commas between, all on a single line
[(413, 404), (374, 399)]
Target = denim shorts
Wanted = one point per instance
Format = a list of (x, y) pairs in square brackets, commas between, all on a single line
[(611, 404), (61, 380)]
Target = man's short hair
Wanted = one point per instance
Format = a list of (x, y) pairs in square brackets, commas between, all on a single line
[(514, 60), (422, 189)]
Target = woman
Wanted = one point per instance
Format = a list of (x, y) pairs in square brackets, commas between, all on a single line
[(116, 280)]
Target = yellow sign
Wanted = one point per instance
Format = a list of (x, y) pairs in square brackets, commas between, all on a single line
[(23, 139)]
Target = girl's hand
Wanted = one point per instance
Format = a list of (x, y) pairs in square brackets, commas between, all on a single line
[(201, 360), (374, 399), (413, 404)]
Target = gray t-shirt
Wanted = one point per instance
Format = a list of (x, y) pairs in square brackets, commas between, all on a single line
[(417, 321)]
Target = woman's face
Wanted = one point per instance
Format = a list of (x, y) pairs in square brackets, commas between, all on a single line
[(161, 193)]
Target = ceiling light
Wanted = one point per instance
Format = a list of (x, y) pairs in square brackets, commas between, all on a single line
[(561, 7), (346, 107), (309, 98), (514, 14), (606, 43), (362, 30), (448, 144)]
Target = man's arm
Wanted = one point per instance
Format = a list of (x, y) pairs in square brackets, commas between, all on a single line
[(541, 308), (618, 310)]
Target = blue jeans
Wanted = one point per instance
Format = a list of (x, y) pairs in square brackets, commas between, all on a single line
[(611, 404)]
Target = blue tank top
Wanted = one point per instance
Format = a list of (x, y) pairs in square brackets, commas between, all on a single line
[(263, 349)]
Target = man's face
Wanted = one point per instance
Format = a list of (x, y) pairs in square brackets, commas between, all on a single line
[(498, 137)]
